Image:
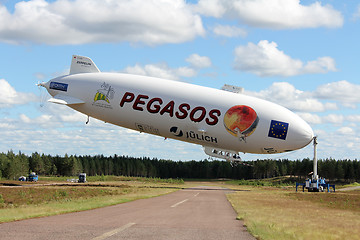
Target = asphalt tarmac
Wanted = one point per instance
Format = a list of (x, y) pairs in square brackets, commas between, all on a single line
[(197, 213)]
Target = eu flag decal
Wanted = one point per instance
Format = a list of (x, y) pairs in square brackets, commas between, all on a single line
[(278, 129)]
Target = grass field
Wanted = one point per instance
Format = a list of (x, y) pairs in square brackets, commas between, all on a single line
[(55, 196), (282, 213)]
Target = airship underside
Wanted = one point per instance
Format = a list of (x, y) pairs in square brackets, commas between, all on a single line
[(225, 123)]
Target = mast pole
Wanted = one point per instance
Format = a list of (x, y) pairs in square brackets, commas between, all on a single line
[(315, 175)]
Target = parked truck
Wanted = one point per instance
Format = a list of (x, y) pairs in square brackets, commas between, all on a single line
[(82, 177)]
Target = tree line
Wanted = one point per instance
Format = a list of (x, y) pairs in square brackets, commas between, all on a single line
[(13, 165)]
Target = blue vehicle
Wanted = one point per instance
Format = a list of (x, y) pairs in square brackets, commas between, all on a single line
[(316, 185), (33, 177)]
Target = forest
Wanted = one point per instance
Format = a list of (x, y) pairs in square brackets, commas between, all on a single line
[(13, 165)]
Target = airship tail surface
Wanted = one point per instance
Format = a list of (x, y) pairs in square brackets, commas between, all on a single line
[(80, 64), (216, 119)]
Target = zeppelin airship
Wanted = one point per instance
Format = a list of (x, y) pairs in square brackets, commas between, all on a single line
[(225, 123)]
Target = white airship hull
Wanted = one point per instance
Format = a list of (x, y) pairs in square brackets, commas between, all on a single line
[(209, 117)]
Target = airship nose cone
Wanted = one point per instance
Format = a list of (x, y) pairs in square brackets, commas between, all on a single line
[(300, 134)]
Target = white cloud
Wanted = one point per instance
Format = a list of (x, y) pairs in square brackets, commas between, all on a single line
[(356, 14), (353, 118), (137, 70), (185, 72), (161, 70), (345, 131), (5, 126), (198, 61), (342, 91), (229, 31), (73, 116), (330, 105), (342, 140), (24, 118), (334, 118), (89, 21), (9, 96), (54, 116), (213, 8), (311, 118), (265, 59), (320, 65), (44, 121), (275, 14), (288, 96)]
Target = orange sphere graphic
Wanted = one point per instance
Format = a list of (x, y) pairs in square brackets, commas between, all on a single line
[(241, 121)]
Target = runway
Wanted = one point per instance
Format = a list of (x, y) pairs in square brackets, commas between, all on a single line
[(197, 213)]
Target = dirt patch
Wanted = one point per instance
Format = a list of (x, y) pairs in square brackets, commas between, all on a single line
[(349, 189)]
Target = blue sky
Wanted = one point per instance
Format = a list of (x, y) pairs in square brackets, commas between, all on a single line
[(300, 54)]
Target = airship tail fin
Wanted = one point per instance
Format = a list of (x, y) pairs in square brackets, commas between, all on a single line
[(80, 64)]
